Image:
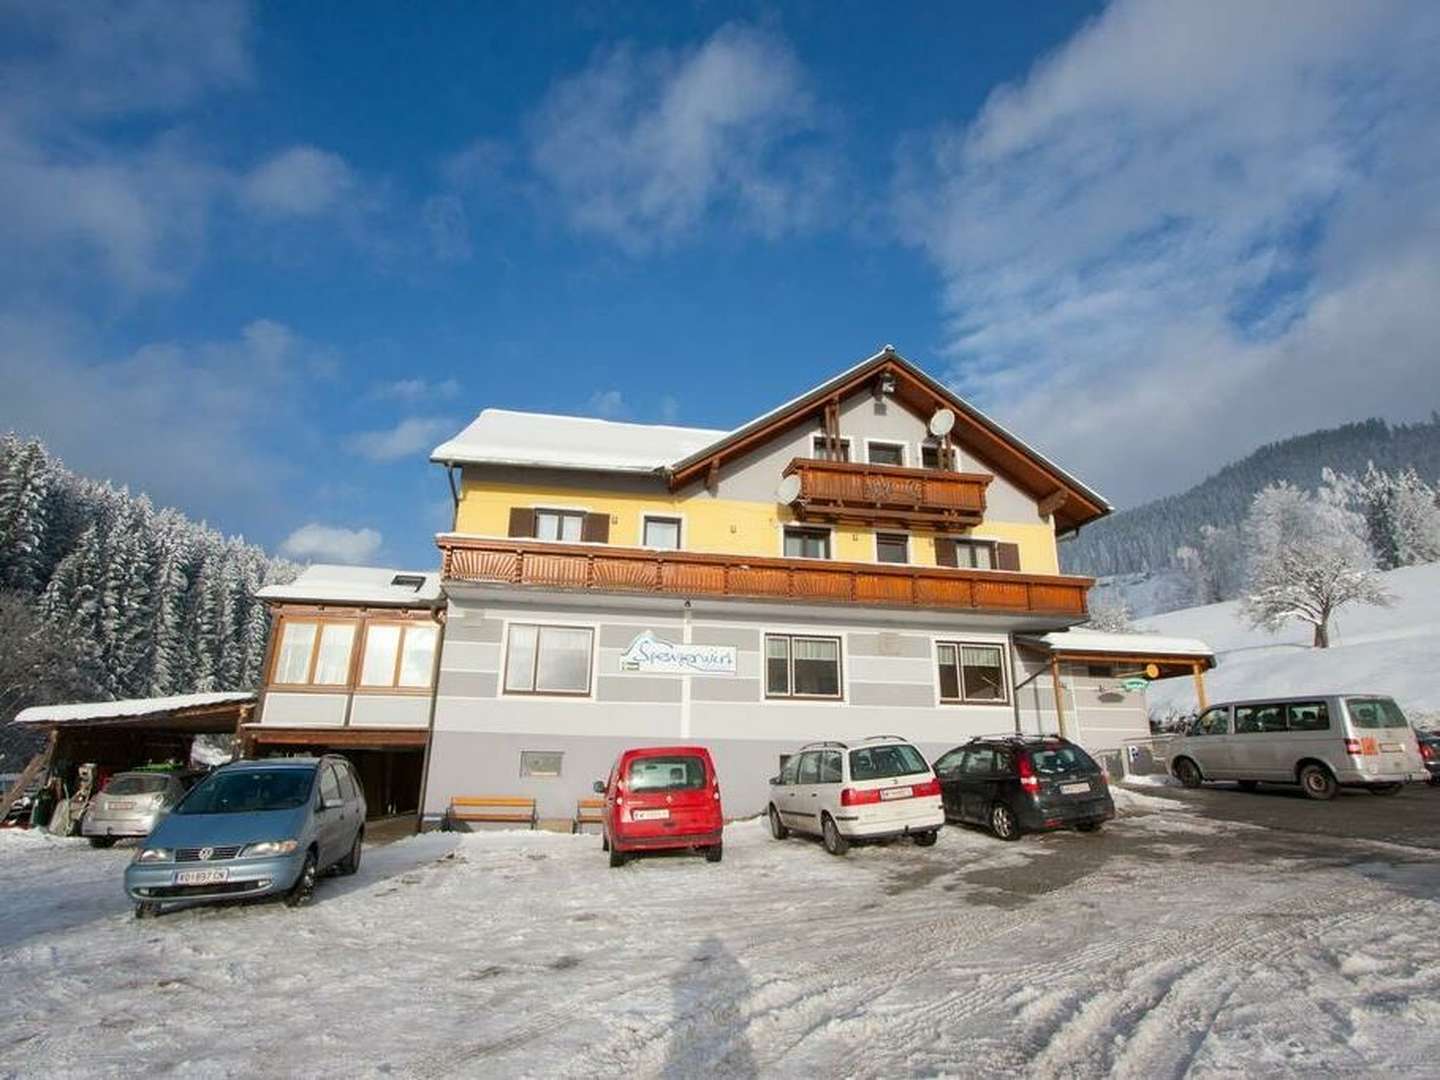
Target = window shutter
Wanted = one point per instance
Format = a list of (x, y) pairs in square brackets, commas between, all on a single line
[(1007, 556), (522, 521), (945, 551), (596, 529)]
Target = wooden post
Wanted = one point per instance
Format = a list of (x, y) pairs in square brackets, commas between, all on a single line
[(1199, 670), (1059, 704)]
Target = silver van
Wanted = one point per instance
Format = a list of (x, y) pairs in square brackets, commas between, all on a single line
[(1322, 742)]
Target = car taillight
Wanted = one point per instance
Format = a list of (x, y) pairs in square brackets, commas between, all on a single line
[(1352, 747), (929, 787), (855, 797), (1028, 780), (1427, 751)]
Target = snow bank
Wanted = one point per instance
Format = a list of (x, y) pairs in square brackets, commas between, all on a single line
[(1390, 650)]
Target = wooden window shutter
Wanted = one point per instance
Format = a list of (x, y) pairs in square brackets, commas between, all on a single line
[(1007, 556), (945, 551), (522, 521), (596, 529)]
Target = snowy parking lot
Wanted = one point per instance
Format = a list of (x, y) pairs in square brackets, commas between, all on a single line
[(1170, 943)]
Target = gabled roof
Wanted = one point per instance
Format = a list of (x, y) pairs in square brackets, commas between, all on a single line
[(503, 437), (372, 586), (1072, 503)]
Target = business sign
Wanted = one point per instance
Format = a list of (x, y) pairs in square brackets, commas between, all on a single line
[(1135, 684), (650, 654)]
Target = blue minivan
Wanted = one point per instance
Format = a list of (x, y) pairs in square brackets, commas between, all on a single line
[(253, 828)]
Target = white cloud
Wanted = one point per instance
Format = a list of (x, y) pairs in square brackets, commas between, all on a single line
[(641, 146), (299, 182), (1192, 230), (417, 389), (411, 436), (330, 543), (608, 404)]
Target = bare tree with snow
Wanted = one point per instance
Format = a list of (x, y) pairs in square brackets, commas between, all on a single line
[(1308, 557)]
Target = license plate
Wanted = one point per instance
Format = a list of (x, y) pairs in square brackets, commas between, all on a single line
[(1391, 747), (649, 815), (201, 877), (119, 804), (1075, 789), (897, 793)]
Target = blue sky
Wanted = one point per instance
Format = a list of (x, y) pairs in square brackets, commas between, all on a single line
[(260, 259)]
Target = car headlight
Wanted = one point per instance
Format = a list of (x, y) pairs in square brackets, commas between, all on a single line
[(153, 854), (270, 847)]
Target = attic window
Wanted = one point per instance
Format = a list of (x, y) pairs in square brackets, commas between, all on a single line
[(408, 581)]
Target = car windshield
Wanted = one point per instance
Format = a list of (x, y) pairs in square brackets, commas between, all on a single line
[(135, 785), (249, 790), (880, 762), (1057, 760), (1375, 712), (682, 772)]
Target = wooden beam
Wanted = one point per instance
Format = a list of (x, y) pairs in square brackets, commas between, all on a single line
[(356, 738), (1199, 670), (1059, 703), (1052, 502)]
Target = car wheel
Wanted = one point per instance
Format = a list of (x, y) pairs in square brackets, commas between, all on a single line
[(617, 858), (1089, 826), (1188, 772), (1248, 785), (147, 909), (715, 852), (102, 841), (835, 844), (777, 827), (1385, 789), (1316, 782), (927, 839), (303, 890), (351, 862), (1003, 823)]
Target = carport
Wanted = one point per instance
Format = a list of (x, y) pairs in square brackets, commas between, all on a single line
[(116, 735)]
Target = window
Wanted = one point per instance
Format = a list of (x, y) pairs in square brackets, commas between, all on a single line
[(548, 659), (980, 762), (892, 548), (830, 767), (559, 525), (807, 543), (789, 764), (677, 772), (412, 582), (347, 783), (1061, 760), (949, 764), (802, 666), (970, 554), (1214, 721), (541, 763), (971, 674), (329, 785), (881, 762), (662, 532), (1374, 713), (398, 655), (930, 456), (817, 448), (810, 767), (1309, 716), (881, 453), (1257, 719), (314, 653)]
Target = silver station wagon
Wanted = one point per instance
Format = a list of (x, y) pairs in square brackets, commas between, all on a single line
[(1322, 742)]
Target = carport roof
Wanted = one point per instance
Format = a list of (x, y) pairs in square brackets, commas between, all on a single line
[(1082, 642), (211, 712)]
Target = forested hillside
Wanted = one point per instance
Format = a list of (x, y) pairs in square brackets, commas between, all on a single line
[(102, 595), (1146, 538)]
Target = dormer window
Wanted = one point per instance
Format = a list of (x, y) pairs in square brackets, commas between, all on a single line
[(413, 582)]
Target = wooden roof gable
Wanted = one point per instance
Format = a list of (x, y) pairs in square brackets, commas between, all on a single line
[(1057, 492)]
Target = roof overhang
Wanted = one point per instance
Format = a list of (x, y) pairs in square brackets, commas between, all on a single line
[(216, 717), (1071, 503)]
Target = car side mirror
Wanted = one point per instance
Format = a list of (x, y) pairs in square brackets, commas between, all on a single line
[(598, 787), (331, 804), (775, 780)]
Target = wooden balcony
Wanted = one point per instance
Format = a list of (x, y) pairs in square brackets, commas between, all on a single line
[(841, 491), (536, 564)]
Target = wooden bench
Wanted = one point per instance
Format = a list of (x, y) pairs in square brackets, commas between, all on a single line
[(588, 812), (498, 809)]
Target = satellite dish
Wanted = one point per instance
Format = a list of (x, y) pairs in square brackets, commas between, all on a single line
[(941, 423), (789, 489)]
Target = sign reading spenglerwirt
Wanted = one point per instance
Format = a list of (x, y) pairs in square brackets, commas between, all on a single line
[(650, 654)]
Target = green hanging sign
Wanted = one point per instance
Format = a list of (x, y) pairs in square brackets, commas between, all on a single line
[(1135, 684)]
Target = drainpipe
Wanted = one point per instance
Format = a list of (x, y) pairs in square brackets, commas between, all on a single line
[(430, 724), (454, 494)]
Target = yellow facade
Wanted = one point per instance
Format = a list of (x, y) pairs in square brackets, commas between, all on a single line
[(724, 526)]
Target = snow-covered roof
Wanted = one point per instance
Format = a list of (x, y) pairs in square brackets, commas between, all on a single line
[(88, 712), (370, 585), (1080, 640), (504, 437)]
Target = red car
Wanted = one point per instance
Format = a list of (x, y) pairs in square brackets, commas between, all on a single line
[(660, 798)]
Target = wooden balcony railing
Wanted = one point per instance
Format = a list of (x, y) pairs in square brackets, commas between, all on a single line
[(844, 491), (529, 563)]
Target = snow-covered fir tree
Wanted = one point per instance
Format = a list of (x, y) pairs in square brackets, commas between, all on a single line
[(1307, 557)]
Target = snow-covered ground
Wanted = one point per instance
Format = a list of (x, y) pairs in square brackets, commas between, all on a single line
[(1393, 650), (1157, 947)]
